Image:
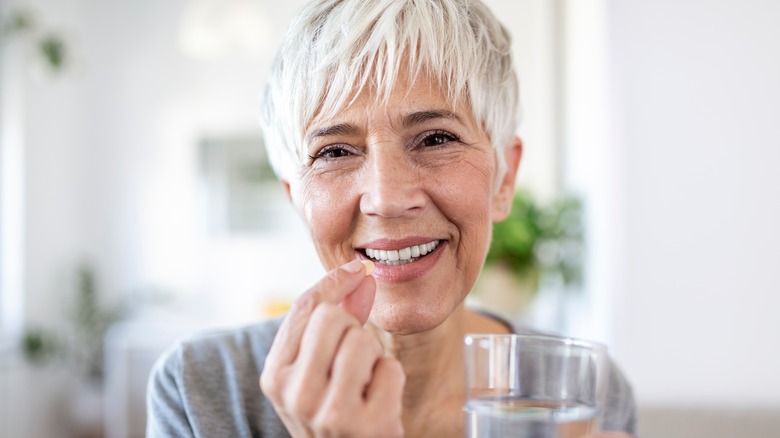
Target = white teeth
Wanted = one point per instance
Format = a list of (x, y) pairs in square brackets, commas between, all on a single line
[(403, 255)]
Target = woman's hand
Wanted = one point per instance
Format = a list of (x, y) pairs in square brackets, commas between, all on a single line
[(325, 374)]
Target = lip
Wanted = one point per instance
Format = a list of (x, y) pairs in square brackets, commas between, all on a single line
[(409, 271)]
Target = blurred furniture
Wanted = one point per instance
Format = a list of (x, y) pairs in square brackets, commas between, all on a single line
[(11, 374), (699, 422)]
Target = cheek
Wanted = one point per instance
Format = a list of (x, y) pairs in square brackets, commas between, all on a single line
[(325, 208), (467, 201), (472, 188)]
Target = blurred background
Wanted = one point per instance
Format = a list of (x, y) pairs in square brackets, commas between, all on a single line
[(136, 205)]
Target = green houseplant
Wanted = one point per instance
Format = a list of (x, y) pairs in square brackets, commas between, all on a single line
[(23, 24), (537, 244), (81, 343)]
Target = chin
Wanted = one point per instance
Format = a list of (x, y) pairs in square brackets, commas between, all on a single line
[(408, 317)]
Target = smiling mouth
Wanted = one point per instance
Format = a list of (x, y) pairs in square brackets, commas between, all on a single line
[(401, 256)]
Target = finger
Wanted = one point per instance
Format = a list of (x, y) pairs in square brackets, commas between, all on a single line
[(353, 366), (333, 288), (352, 371), (387, 382), (360, 302), (325, 332), (385, 394)]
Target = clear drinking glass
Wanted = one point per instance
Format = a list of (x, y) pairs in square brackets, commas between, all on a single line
[(533, 386)]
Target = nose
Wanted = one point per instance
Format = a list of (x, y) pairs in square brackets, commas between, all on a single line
[(392, 187)]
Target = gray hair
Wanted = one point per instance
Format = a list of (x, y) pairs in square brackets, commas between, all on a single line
[(336, 48)]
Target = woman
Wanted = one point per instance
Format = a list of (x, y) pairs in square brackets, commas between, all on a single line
[(391, 125)]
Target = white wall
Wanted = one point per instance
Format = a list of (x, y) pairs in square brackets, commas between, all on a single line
[(695, 86), (111, 166), (54, 167), (533, 25)]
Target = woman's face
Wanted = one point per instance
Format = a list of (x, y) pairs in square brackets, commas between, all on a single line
[(410, 184)]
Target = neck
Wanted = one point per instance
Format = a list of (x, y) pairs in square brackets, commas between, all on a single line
[(433, 362)]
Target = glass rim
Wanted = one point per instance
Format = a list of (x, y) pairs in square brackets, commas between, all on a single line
[(556, 339)]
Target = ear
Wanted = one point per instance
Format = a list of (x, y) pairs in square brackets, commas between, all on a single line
[(502, 198), (286, 186), (290, 192)]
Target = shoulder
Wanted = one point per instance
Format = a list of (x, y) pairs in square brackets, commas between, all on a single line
[(209, 384), (213, 350), (620, 409), (197, 362), (220, 346), (250, 342)]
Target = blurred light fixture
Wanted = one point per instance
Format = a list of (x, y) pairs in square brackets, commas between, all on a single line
[(214, 28)]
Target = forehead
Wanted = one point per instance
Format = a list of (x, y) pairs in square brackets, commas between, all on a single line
[(406, 97)]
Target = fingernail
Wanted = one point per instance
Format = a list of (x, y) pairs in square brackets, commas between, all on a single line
[(369, 266), (354, 266)]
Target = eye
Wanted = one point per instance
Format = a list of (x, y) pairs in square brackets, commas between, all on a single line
[(331, 152), (436, 138)]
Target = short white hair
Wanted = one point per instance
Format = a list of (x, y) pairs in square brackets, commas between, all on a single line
[(336, 48)]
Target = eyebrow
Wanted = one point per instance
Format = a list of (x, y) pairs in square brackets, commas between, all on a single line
[(412, 119), (339, 129), (423, 116)]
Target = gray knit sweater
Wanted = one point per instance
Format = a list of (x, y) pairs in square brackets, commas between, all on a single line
[(208, 386)]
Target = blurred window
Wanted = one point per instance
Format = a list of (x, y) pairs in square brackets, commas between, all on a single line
[(11, 190)]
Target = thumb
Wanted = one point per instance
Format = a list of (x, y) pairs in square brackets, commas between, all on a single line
[(359, 302)]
